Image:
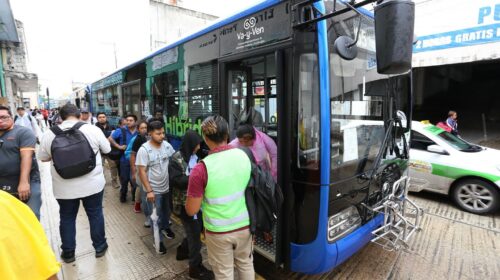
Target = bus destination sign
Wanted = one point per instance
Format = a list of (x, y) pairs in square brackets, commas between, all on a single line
[(265, 27)]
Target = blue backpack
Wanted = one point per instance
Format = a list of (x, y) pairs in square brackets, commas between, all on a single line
[(128, 150)]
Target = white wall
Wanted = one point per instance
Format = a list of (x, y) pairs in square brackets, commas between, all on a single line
[(170, 23)]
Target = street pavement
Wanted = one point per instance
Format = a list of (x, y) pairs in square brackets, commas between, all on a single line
[(452, 245)]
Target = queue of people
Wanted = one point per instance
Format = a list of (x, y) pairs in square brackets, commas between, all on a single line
[(193, 183)]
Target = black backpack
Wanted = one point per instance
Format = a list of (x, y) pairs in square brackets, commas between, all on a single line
[(263, 198), (71, 152)]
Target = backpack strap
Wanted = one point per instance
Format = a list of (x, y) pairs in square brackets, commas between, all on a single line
[(249, 153), (123, 139), (17, 117), (56, 130), (78, 125)]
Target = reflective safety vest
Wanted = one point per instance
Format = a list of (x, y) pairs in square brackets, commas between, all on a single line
[(224, 207)]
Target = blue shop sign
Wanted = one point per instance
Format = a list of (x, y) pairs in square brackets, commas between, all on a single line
[(465, 37), (459, 38)]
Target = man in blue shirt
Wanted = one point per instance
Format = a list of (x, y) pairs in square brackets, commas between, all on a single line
[(120, 141)]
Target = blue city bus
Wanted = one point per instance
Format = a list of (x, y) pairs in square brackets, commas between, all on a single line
[(313, 76)]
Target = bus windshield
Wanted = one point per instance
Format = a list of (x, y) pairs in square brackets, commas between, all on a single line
[(357, 97)]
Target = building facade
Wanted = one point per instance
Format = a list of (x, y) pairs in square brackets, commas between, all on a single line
[(15, 80), (126, 91), (456, 63), (169, 21)]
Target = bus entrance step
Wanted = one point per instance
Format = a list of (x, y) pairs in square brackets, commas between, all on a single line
[(402, 218), (266, 247)]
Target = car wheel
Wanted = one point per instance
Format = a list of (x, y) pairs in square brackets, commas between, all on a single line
[(476, 196)]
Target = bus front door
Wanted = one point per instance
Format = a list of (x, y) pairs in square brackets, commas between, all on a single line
[(254, 91)]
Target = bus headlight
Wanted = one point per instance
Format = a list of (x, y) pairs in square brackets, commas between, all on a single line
[(343, 223)]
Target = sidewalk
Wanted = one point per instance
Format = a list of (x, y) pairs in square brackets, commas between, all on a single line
[(130, 254)]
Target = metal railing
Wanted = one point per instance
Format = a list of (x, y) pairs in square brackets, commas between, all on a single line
[(402, 217)]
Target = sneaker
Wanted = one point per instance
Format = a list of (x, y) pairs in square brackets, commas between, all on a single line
[(147, 223), (123, 198), (137, 207), (101, 252), (168, 233), (201, 272), (68, 257), (162, 250)]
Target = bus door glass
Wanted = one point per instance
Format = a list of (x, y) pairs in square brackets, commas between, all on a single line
[(252, 93), (237, 89), (252, 85)]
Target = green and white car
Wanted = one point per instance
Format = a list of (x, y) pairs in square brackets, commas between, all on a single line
[(443, 163)]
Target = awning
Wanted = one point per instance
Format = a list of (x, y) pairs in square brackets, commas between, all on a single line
[(8, 31), (459, 46), (474, 53), (25, 82)]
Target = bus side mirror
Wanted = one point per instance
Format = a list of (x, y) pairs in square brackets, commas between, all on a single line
[(394, 24)]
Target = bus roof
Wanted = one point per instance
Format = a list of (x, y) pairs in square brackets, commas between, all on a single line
[(214, 26)]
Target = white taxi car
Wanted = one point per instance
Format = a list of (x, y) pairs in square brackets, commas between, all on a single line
[(443, 163)]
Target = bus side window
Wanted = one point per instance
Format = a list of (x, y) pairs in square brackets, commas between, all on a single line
[(308, 118)]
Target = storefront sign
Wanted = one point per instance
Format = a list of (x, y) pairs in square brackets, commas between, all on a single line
[(469, 23), (267, 26), (112, 80), (460, 38)]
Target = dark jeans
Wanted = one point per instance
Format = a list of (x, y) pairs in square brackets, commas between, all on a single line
[(125, 179), (192, 242), (35, 201), (68, 210)]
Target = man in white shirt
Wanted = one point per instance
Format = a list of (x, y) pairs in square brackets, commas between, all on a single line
[(87, 188), (25, 119)]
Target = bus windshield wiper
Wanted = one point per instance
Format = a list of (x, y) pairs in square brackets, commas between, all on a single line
[(388, 140)]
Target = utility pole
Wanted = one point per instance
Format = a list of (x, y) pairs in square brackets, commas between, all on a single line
[(114, 51), (48, 99)]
